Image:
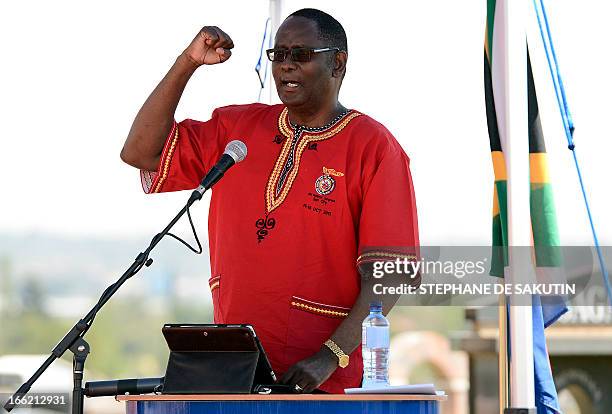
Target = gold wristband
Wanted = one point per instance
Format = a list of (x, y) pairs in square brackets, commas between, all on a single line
[(343, 359)]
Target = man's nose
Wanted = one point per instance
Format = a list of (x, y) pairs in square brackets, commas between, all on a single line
[(288, 64)]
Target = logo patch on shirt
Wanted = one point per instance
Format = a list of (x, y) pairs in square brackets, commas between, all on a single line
[(326, 183)]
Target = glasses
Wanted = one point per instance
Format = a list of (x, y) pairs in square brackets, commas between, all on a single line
[(298, 54)]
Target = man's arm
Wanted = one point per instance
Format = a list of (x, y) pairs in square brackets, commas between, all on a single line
[(152, 124), (315, 370)]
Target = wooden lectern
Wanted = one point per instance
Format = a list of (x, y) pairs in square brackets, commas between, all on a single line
[(282, 403)]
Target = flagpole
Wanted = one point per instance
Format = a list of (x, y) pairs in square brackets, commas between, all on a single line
[(519, 219), (502, 352), (276, 9)]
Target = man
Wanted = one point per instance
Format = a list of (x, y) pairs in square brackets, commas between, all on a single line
[(323, 190)]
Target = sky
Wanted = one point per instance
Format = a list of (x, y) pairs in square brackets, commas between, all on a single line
[(74, 74)]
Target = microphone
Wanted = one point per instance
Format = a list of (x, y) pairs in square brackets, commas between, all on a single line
[(235, 151), (123, 386)]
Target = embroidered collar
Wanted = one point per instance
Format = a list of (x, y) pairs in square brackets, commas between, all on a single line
[(289, 129), (288, 162), (321, 128)]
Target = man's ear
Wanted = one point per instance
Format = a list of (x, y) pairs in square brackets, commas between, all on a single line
[(339, 62)]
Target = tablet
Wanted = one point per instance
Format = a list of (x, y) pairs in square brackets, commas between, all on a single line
[(220, 337)]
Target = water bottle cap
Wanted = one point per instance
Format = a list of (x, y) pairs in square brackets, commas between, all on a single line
[(376, 306)]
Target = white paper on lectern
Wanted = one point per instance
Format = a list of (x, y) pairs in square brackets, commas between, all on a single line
[(425, 389)]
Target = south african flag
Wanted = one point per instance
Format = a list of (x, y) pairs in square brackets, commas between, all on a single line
[(543, 218)]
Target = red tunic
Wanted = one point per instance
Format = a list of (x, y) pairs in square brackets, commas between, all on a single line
[(287, 225)]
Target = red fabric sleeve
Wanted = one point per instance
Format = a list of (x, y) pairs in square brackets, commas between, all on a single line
[(191, 149), (388, 227)]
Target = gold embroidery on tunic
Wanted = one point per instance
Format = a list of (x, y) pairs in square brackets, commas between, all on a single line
[(274, 200)]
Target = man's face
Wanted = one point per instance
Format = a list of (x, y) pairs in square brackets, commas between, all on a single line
[(302, 85)]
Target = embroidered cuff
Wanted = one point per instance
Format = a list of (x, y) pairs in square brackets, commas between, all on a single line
[(152, 181), (384, 256)]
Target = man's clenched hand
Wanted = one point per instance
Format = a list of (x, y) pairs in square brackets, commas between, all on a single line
[(211, 46)]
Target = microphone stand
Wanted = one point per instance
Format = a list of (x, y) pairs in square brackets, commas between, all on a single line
[(73, 340)]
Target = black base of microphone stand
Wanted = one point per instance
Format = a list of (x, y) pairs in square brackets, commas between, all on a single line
[(73, 340)]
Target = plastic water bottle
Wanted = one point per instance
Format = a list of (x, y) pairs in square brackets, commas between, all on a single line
[(375, 347)]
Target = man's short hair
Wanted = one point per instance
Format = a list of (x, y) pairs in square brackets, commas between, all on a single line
[(330, 29)]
